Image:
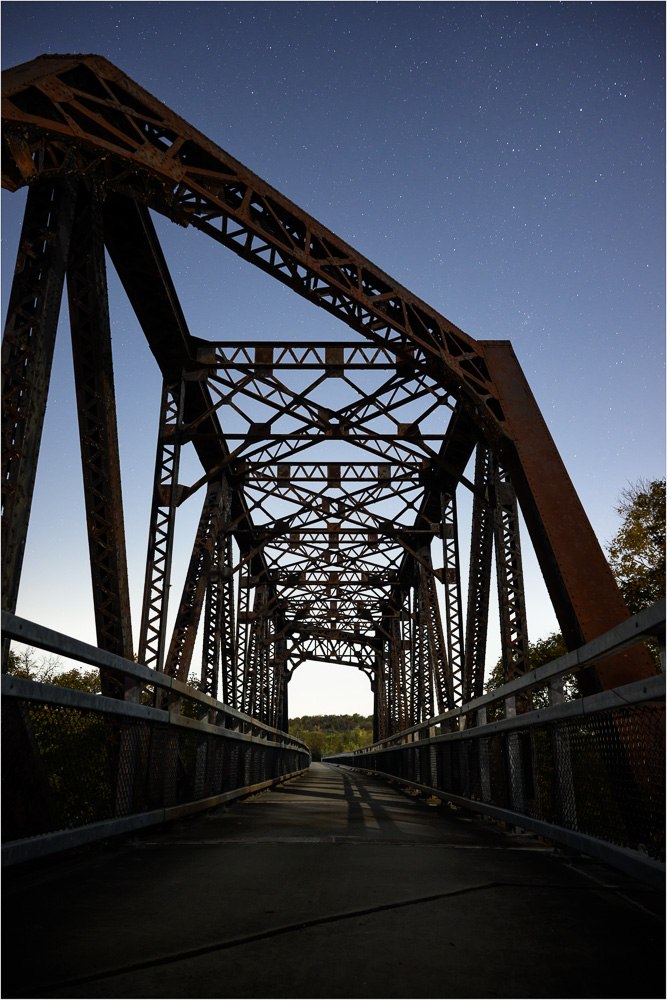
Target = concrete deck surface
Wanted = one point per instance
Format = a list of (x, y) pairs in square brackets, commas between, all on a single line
[(333, 885)]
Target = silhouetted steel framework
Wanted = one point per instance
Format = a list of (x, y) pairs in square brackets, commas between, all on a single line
[(329, 470)]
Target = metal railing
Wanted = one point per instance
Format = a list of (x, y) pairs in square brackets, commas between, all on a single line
[(587, 773), (81, 767)]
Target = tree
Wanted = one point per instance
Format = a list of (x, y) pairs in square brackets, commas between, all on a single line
[(637, 560), (330, 734), (637, 550), (543, 651), (72, 745), (49, 671)]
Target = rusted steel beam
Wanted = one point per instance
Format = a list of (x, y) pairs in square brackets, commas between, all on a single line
[(278, 668), (93, 376), (227, 606), (423, 655), (437, 650), (179, 657), (451, 581), (27, 354), (137, 256), (399, 643), (82, 111), (381, 719), (509, 572), (255, 664), (153, 632), (479, 577), (285, 355), (583, 591), (210, 660)]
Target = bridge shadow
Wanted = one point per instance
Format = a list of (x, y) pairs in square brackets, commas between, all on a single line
[(357, 795), (340, 803)]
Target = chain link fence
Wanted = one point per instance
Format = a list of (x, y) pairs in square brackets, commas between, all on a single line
[(588, 773), (78, 767)]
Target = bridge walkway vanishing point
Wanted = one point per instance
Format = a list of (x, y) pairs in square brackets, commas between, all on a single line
[(333, 885)]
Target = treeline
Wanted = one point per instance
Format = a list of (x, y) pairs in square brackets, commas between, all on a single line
[(329, 734), (340, 723)]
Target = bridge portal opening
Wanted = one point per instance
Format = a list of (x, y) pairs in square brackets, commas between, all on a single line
[(327, 688)]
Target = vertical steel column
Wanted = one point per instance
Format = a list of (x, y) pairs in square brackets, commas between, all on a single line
[(453, 603), (398, 701), (218, 644), (402, 647), (261, 670), (511, 598), (389, 679), (479, 580), (27, 356), (263, 689), (252, 667), (279, 670), (422, 667), (210, 657), (271, 686), (266, 642), (439, 668), (93, 375), (412, 686), (243, 636), (279, 667), (187, 620), (380, 709), (284, 717), (228, 657), (153, 634)]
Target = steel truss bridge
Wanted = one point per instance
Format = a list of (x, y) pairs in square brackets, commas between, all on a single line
[(330, 473)]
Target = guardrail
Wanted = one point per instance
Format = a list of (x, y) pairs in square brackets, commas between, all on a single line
[(80, 767), (587, 773)]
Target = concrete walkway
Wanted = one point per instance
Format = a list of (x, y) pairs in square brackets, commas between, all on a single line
[(336, 886)]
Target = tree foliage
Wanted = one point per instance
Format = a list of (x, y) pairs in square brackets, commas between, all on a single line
[(49, 671), (543, 651), (72, 745), (637, 560), (330, 734), (637, 550)]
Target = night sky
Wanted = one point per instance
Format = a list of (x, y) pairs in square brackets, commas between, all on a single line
[(505, 162)]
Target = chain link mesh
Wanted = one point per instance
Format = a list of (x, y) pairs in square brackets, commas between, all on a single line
[(66, 767), (601, 775)]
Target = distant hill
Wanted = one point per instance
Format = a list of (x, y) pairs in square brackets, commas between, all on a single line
[(340, 723), (329, 734)]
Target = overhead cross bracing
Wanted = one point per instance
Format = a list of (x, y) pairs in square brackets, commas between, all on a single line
[(345, 541), (329, 470)]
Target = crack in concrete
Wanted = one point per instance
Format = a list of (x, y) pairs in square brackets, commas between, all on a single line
[(299, 926)]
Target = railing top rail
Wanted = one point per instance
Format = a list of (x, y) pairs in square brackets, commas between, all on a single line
[(651, 689), (30, 633), (647, 623)]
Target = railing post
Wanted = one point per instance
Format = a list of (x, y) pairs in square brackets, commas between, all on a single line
[(428, 776), (513, 760), (560, 747), (484, 769)]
